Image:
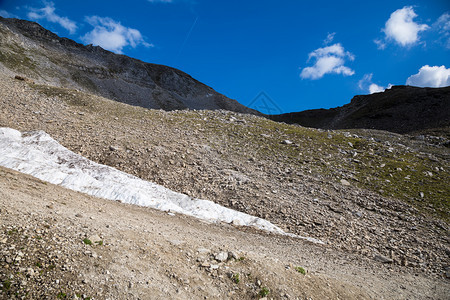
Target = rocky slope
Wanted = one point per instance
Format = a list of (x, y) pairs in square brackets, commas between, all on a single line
[(30, 50), (379, 200), (401, 109), (139, 253)]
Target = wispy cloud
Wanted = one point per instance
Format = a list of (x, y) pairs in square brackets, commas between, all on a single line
[(160, 1), (381, 44), (5, 14), (442, 26), (328, 60), (366, 84), (401, 28), (112, 35), (430, 77), (329, 39), (48, 13)]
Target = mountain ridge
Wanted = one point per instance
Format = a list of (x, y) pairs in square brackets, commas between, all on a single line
[(31, 50), (401, 109)]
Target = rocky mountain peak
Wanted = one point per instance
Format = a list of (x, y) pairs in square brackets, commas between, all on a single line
[(30, 50)]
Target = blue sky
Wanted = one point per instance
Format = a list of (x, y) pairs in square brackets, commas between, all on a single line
[(302, 54)]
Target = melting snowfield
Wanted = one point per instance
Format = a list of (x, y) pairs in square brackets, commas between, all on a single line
[(38, 154)]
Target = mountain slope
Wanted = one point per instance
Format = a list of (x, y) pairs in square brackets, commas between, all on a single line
[(148, 254), (370, 196), (28, 49), (241, 162), (38, 154), (401, 109)]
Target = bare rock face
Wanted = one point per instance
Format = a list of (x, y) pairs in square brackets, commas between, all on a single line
[(32, 51), (401, 109)]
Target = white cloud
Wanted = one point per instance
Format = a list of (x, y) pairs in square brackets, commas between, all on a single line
[(329, 60), (48, 13), (375, 88), (366, 84), (111, 35), (336, 50), (430, 77), (160, 1), (402, 29), (442, 25)]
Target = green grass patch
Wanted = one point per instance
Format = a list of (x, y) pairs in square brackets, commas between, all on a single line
[(235, 278), (263, 292), (6, 285), (300, 270), (87, 241)]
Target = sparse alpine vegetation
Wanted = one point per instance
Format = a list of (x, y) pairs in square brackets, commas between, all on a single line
[(301, 270), (338, 186)]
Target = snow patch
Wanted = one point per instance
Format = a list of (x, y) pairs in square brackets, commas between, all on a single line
[(38, 154)]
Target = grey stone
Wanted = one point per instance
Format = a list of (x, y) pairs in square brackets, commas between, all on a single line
[(95, 238), (222, 256), (345, 182), (383, 259)]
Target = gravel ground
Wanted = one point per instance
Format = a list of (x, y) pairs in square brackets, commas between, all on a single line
[(306, 181), (139, 253)]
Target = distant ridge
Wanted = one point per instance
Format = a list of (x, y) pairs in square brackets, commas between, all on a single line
[(401, 109), (28, 49)]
